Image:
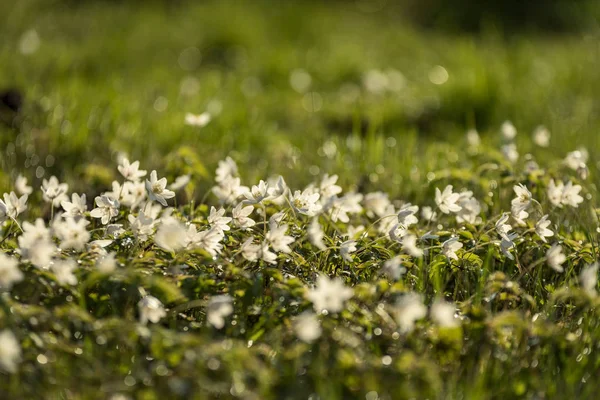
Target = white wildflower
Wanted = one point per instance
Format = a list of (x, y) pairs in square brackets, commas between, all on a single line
[(278, 239), (157, 189), (219, 307), (200, 120), (588, 278), (217, 220), (541, 228), (241, 216), (107, 208), (9, 272), (307, 327), (131, 171), (446, 200), (10, 351), (180, 182), (257, 193), (409, 245), (510, 152), (21, 185), (442, 314), (316, 234), (75, 208), (393, 268), (54, 192), (171, 235), (306, 202), (450, 246), (408, 310), (63, 270), (329, 294), (151, 309), (555, 258), (346, 248), (12, 206), (541, 136), (508, 130)]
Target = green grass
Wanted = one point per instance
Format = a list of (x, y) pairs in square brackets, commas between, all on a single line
[(94, 88)]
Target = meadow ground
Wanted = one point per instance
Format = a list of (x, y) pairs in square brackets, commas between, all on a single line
[(369, 276)]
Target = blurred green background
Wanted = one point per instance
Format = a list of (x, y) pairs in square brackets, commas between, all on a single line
[(376, 91)]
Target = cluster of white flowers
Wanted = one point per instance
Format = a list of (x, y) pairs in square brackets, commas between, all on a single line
[(264, 223)]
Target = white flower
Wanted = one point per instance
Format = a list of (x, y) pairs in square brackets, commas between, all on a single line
[(393, 268), (9, 272), (470, 209), (141, 226), (200, 120), (63, 270), (208, 240), (217, 220), (328, 187), (575, 158), (229, 189), (408, 310), (278, 239), (107, 208), (307, 327), (131, 171), (541, 136), (555, 258), (180, 182), (555, 192), (157, 189), (376, 204), (76, 207), (450, 246), (522, 201), (277, 188), (473, 138), (12, 206), (346, 248), (570, 195), (218, 309), (258, 193), (509, 132), (227, 169), (588, 279), (341, 207), (241, 216), (72, 233), (316, 234), (306, 202), (10, 351), (428, 214), (21, 185), (409, 245), (510, 152), (171, 235), (502, 227), (329, 294), (54, 192), (541, 228), (249, 250), (442, 314), (446, 200), (507, 243), (35, 244), (106, 264), (151, 309)]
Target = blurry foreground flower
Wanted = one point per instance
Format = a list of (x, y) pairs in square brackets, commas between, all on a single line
[(442, 314), (63, 270), (555, 257), (408, 310), (307, 327), (329, 294), (346, 248), (588, 278), (171, 235), (218, 308), (10, 351), (9, 272)]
